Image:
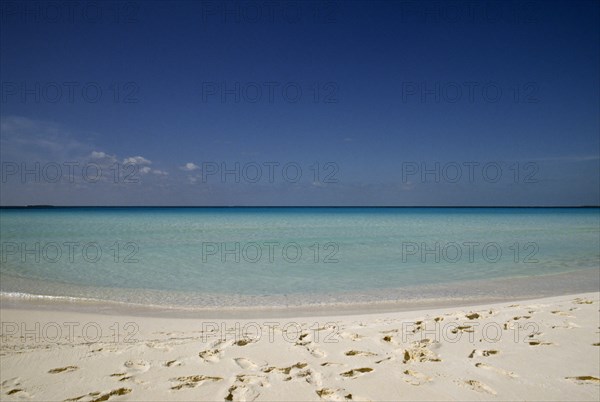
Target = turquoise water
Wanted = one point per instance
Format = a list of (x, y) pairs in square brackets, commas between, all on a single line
[(288, 256)]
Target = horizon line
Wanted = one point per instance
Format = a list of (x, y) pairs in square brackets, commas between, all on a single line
[(44, 206)]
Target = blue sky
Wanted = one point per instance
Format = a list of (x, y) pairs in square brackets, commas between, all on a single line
[(388, 90)]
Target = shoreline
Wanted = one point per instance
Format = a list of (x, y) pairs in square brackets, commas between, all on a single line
[(417, 298), (353, 312), (240, 313)]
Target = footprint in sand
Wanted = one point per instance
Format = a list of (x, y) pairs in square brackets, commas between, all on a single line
[(338, 394), (462, 328), (13, 386), (419, 352), (483, 353), (416, 326), (297, 371), (584, 379), (193, 381), (315, 351), (245, 363), (210, 355), (356, 372), (475, 316), (521, 317), (496, 370), (326, 364), (246, 387), (66, 369), (98, 396), (19, 392), (140, 366), (312, 377), (244, 342), (359, 353), (124, 377), (12, 382), (561, 313), (215, 351), (309, 345), (159, 346), (535, 342), (415, 378), (582, 301), (479, 386), (284, 370)]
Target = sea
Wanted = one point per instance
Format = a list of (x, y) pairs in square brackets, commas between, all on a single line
[(276, 258)]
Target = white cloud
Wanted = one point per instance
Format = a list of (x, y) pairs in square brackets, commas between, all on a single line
[(103, 156), (158, 172), (190, 166), (137, 160), (98, 155)]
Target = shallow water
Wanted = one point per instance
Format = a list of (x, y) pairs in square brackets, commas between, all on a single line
[(217, 257)]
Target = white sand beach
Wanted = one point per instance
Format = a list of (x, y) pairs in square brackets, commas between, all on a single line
[(544, 349)]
